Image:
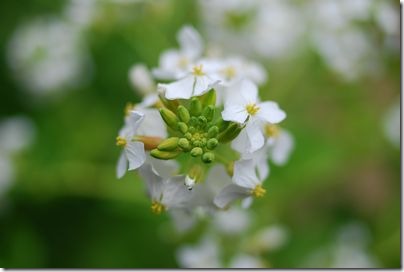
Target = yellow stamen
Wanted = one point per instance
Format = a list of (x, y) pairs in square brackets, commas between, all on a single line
[(157, 207), (258, 191), (229, 72), (198, 71), (271, 130), (252, 109), (120, 141)]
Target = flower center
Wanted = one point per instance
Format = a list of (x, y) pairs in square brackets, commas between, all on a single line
[(271, 130), (183, 62), (198, 70), (258, 191), (229, 72), (120, 141), (252, 109), (157, 207)]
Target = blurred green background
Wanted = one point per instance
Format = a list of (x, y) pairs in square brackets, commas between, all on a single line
[(66, 208)]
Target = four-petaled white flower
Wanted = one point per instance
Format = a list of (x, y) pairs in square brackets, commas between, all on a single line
[(196, 82), (175, 64), (133, 151), (243, 106), (246, 184), (165, 193)]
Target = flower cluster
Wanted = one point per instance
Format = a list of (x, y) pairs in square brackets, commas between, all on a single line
[(202, 137)]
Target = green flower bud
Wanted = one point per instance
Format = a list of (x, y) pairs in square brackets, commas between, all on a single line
[(188, 135), (213, 131), (195, 107), (208, 157), (191, 129), (193, 121), (165, 155), (222, 125), (209, 98), (230, 133), (183, 127), (168, 144), (202, 120), (169, 118), (197, 143), (169, 104), (212, 143), (209, 112), (184, 144), (196, 151), (183, 114)]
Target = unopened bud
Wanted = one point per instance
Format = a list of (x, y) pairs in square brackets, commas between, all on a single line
[(213, 131), (148, 141), (195, 107), (230, 133), (202, 120), (169, 118), (209, 112), (183, 127), (196, 151), (212, 143), (168, 144), (208, 157), (169, 104), (183, 114), (164, 155), (184, 144), (209, 98)]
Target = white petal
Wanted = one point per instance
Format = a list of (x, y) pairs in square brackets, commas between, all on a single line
[(282, 148), (249, 91), (255, 136), (165, 169), (245, 174), (176, 194), (270, 112), (190, 41), (132, 122), (122, 165), (229, 194), (152, 125), (247, 202), (141, 79), (203, 84), (154, 183), (181, 89), (135, 154), (235, 113)]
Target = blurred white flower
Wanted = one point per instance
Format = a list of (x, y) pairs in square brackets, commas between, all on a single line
[(81, 12), (206, 254), (16, 133), (246, 261), (232, 221), (7, 173), (270, 238), (141, 79), (47, 55), (391, 124)]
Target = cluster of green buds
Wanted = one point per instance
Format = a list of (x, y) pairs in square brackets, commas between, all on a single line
[(195, 127)]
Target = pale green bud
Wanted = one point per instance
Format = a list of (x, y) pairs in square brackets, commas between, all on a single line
[(184, 144), (213, 131), (208, 157), (196, 151), (169, 118), (230, 133), (212, 143), (183, 127), (195, 107), (183, 114), (168, 144), (209, 113), (164, 155), (209, 98)]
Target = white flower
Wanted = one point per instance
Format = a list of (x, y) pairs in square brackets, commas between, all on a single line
[(246, 261), (196, 82), (165, 193), (233, 221), (245, 184), (280, 146), (204, 255), (16, 133), (243, 106), (175, 64), (141, 79), (269, 239), (133, 151), (47, 55)]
